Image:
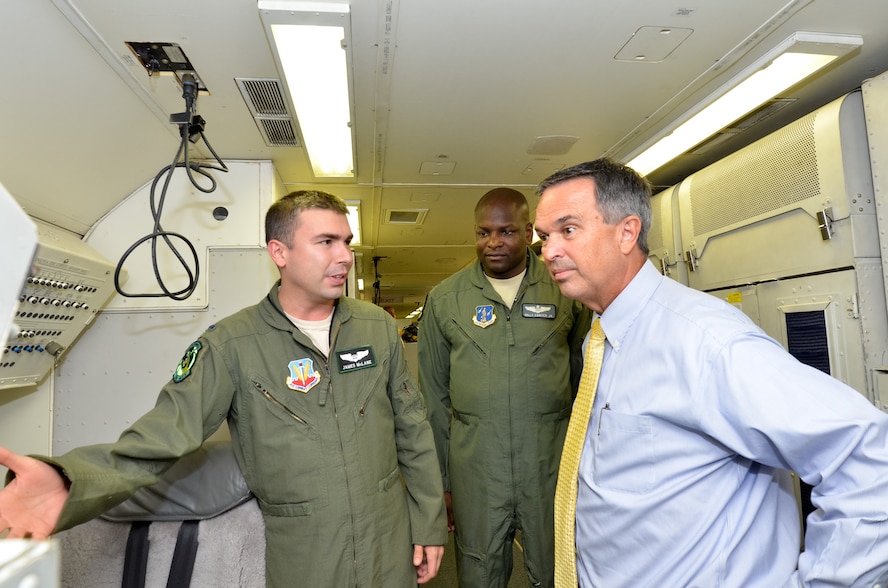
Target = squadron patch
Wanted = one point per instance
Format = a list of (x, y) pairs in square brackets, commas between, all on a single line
[(484, 316), (356, 359), (536, 310), (183, 370), (303, 375)]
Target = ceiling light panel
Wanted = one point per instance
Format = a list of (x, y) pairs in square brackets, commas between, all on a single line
[(311, 46), (796, 58)]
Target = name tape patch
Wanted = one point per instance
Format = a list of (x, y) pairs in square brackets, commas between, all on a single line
[(356, 359), (534, 310)]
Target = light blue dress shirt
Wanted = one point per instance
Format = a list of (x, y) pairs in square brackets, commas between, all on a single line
[(698, 418)]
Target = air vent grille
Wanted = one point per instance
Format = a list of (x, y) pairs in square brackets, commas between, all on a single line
[(265, 99), (414, 216), (277, 132), (772, 173)]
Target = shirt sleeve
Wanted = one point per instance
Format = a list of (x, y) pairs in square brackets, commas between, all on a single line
[(434, 382), (416, 455), (777, 411), (186, 412)]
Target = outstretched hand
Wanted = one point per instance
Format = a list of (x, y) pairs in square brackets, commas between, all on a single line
[(31, 504)]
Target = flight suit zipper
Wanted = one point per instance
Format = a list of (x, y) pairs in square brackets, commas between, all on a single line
[(278, 403), (549, 337), (467, 336), (334, 332)]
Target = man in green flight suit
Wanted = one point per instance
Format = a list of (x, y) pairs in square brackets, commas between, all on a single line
[(499, 362), (324, 418)]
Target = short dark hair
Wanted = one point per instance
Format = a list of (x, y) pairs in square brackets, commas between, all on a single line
[(282, 216), (620, 192)]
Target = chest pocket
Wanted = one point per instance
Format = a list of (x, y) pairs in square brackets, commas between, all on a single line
[(283, 452), (624, 454)]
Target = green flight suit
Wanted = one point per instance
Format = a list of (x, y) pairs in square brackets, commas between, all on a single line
[(499, 384), (322, 444)]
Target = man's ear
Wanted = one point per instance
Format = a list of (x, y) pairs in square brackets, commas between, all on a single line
[(278, 252), (630, 228)]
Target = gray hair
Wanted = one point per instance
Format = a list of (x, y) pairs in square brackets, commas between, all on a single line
[(620, 191)]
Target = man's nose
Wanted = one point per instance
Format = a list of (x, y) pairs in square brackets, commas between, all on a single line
[(346, 254), (549, 250)]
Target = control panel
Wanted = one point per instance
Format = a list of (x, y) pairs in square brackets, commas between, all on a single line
[(67, 285)]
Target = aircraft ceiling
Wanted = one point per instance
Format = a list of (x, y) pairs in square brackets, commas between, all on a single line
[(462, 82)]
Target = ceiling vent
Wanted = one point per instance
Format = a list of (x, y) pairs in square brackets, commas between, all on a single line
[(552, 144), (762, 112), (265, 99), (746, 122), (413, 216)]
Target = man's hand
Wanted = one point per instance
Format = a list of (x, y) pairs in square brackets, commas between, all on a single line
[(31, 504), (427, 560), (448, 502)]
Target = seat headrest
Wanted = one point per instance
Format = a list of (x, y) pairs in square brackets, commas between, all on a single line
[(201, 485)]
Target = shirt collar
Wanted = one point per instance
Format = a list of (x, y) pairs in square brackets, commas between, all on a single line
[(624, 310)]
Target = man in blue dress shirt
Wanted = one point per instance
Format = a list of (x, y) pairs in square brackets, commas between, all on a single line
[(698, 419)]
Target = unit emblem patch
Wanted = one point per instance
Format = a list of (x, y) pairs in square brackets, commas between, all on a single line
[(484, 316), (356, 359), (183, 370), (303, 375), (536, 310)]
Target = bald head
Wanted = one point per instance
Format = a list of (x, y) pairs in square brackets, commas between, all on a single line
[(505, 198), (502, 232)]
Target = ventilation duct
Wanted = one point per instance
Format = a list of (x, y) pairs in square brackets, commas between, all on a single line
[(265, 99), (414, 216)]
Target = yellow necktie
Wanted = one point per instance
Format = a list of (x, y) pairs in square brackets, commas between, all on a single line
[(566, 490)]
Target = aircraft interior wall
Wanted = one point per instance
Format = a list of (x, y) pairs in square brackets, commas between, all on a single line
[(787, 229), (766, 249), (95, 388), (875, 106), (150, 334)]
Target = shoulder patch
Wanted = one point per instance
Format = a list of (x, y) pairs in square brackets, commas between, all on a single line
[(183, 370)]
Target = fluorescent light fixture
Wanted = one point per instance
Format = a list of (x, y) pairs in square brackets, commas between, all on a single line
[(354, 220), (310, 42), (361, 284), (793, 60)]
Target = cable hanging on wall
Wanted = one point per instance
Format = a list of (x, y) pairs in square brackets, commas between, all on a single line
[(191, 129), (376, 285)]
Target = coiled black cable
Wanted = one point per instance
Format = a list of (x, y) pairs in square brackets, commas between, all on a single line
[(191, 129)]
